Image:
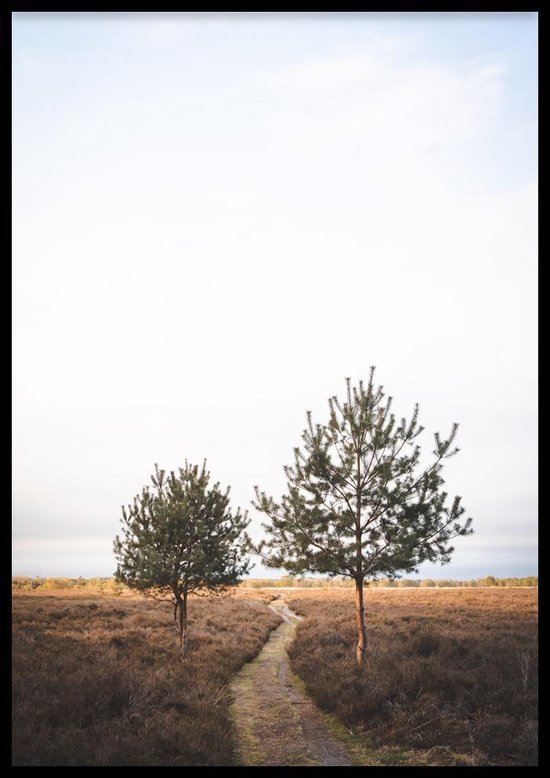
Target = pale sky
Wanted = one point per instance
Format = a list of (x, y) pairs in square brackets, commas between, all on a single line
[(217, 217)]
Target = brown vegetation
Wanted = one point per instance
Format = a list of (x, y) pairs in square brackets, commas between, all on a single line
[(452, 673), (98, 680)]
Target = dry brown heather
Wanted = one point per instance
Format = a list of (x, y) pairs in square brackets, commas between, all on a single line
[(453, 670), (98, 681)]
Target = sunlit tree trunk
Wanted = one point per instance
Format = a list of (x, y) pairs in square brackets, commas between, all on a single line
[(183, 624), (181, 610), (361, 623), (359, 577)]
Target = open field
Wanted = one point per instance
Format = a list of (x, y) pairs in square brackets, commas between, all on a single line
[(98, 681), (450, 670)]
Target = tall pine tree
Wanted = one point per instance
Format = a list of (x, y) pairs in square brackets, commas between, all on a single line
[(358, 502), (181, 537)]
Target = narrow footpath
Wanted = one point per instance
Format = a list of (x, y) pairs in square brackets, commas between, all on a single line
[(277, 724)]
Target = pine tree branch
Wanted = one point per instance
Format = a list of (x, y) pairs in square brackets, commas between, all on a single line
[(375, 556), (414, 485), (321, 548)]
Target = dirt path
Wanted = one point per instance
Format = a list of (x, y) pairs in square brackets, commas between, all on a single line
[(276, 723)]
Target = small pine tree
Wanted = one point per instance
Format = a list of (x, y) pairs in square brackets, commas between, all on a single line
[(358, 503), (180, 537)]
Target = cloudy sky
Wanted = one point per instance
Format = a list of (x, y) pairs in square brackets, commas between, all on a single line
[(216, 218)]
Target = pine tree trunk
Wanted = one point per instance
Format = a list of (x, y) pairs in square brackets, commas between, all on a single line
[(361, 624), (183, 623), (359, 576)]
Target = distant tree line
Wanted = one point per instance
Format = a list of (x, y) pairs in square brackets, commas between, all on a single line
[(400, 583), (107, 585), (112, 587)]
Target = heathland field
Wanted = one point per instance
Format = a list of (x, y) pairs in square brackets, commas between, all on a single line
[(453, 671), (451, 676), (99, 681)]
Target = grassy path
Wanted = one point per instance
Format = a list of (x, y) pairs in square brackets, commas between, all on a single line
[(277, 724)]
